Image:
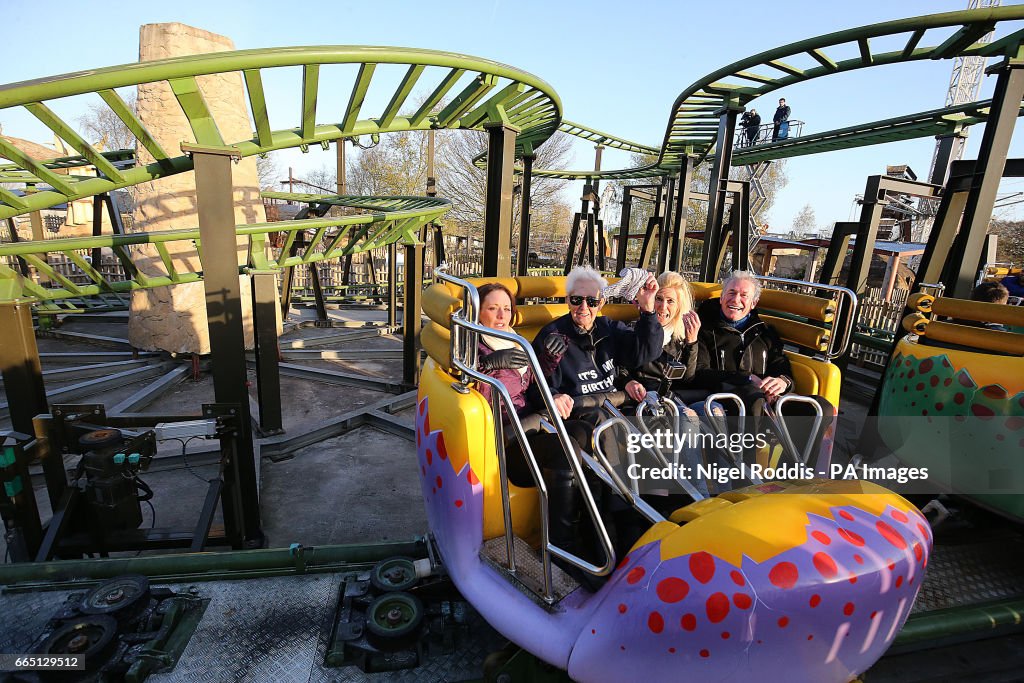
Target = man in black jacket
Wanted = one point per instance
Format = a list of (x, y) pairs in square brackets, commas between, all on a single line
[(781, 116), (740, 353)]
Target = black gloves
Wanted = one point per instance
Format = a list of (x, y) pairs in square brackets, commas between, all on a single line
[(505, 359), (555, 345)]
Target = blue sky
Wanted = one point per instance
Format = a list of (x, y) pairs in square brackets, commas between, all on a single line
[(616, 66)]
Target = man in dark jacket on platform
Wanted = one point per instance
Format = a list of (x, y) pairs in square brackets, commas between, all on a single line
[(781, 121)]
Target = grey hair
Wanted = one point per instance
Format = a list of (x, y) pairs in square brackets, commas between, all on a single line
[(581, 274), (743, 276)]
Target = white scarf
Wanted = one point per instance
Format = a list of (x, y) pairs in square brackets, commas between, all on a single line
[(496, 344)]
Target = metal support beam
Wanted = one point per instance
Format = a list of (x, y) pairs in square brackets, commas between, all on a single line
[(647, 248), (393, 280), (411, 308), (666, 234), (717, 193), (97, 228), (739, 222), (224, 315), (22, 264), (680, 215), (949, 149), (318, 291), (959, 276), (570, 252), (19, 363), (624, 219), (143, 397), (835, 256), (523, 258), (867, 232), (501, 152), (268, 378)]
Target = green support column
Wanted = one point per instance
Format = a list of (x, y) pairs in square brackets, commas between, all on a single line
[(523, 258), (740, 225), (393, 283), (19, 361), (624, 220), (268, 376), (867, 233), (411, 313), (965, 256), (680, 214), (717, 191), (501, 152), (224, 317), (665, 238)]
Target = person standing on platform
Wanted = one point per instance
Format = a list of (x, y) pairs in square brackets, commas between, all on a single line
[(781, 120), (751, 122)]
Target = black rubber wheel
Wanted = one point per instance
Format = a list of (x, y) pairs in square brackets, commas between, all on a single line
[(394, 574), (100, 438), (92, 637), (393, 620), (123, 597)]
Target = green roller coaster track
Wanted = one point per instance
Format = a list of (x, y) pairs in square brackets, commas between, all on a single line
[(463, 93), (386, 220), (519, 99)]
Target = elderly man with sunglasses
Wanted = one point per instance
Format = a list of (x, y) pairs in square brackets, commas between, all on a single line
[(584, 349)]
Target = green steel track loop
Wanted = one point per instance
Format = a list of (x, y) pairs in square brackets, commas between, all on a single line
[(384, 220), (477, 92), (693, 125), (692, 128)]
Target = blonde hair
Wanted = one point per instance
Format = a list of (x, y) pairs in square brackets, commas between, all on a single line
[(684, 296)]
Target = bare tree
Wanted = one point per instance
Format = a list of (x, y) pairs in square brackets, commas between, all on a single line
[(804, 223), (1010, 247), (396, 165), (102, 126), (268, 172), (464, 183)]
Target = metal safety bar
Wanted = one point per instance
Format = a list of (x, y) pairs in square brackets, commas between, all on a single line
[(835, 348), (712, 421), (465, 330), (779, 420), (670, 407)]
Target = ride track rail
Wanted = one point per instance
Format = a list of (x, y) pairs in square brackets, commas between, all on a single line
[(518, 99), (692, 129), (385, 220)]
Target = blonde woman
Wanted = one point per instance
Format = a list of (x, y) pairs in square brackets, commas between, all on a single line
[(673, 307), (672, 372)]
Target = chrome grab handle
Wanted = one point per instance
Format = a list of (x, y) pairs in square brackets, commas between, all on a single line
[(835, 347), (779, 420), (465, 332)]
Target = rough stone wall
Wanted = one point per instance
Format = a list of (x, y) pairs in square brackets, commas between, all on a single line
[(174, 318)]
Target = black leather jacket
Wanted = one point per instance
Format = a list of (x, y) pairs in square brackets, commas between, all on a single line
[(728, 355)]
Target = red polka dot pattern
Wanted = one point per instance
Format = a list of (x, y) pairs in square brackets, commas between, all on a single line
[(702, 566), (672, 589), (717, 607), (784, 575)]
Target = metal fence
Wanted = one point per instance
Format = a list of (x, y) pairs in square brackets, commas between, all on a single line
[(765, 133), (879, 318)]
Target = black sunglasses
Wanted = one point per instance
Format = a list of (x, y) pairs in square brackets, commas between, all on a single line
[(592, 301)]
